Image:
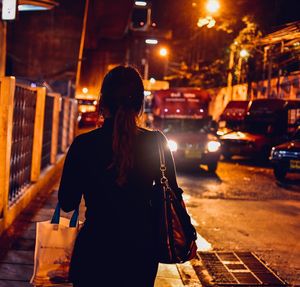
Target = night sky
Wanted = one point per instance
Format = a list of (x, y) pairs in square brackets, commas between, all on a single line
[(269, 14)]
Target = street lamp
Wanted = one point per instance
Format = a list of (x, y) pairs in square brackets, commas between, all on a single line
[(244, 53), (145, 61), (163, 52), (208, 21), (140, 3), (212, 6), (151, 41)]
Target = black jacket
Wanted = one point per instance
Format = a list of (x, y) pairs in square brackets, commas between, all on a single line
[(119, 220)]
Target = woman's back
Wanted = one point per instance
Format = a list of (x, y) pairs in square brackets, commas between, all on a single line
[(114, 169)]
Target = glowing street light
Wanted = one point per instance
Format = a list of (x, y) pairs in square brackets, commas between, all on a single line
[(151, 41), (211, 23), (212, 6), (244, 53), (85, 90), (208, 21), (140, 3), (163, 52)]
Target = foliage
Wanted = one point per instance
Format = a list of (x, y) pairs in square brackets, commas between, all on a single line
[(246, 39), (212, 75), (249, 35)]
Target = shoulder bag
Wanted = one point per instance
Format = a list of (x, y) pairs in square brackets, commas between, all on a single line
[(177, 236)]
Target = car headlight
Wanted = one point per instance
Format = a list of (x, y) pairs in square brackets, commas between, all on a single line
[(213, 146), (172, 145), (220, 133), (272, 153)]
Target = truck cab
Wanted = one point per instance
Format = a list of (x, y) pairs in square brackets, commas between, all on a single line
[(233, 117), (182, 115)]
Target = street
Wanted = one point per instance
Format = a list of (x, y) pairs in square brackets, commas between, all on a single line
[(243, 208)]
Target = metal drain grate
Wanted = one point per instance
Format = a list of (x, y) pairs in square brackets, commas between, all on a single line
[(238, 268)]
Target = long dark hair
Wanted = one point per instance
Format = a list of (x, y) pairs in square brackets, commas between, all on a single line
[(122, 95)]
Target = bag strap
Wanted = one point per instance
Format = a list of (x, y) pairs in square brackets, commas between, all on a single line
[(162, 161), (56, 216)]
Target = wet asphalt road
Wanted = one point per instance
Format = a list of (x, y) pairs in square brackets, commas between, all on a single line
[(242, 207)]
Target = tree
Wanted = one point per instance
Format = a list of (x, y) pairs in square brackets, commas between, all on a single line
[(246, 52)]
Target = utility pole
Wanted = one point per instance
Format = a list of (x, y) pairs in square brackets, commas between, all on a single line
[(230, 72), (3, 31), (145, 62), (81, 47), (270, 64)]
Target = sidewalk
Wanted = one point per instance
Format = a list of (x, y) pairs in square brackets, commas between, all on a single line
[(17, 250)]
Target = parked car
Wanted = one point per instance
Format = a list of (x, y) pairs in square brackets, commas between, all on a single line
[(268, 122), (286, 157), (89, 114), (88, 119)]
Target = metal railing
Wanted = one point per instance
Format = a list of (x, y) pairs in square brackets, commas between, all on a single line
[(47, 131), (60, 129), (22, 140), (34, 130)]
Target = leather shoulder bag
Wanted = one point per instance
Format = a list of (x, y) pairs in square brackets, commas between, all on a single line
[(177, 236)]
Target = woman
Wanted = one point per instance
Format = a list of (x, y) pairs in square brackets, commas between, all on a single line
[(114, 168)]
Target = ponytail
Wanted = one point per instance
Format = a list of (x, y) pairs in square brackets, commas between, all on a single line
[(123, 136), (122, 97)]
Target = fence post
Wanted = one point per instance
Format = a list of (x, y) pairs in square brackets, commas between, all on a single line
[(38, 134), (7, 90), (55, 127), (65, 135), (72, 121)]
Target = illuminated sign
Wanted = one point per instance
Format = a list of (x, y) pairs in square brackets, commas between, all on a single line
[(9, 8)]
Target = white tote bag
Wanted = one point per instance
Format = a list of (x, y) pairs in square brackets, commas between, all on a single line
[(53, 249)]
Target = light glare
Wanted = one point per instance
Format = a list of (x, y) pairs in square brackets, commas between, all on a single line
[(213, 146), (172, 145), (244, 53), (211, 23), (163, 52), (140, 3), (151, 41), (213, 6), (27, 7)]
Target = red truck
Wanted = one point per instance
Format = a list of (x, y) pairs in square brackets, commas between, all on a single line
[(182, 114), (267, 123), (233, 117)]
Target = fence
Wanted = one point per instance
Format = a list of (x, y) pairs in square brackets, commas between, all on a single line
[(36, 129)]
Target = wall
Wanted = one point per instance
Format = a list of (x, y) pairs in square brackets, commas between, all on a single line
[(283, 88), (45, 44)]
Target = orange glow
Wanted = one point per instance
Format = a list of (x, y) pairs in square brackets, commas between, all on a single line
[(212, 6), (163, 52), (244, 53)]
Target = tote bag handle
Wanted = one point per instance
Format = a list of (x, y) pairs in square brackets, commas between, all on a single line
[(56, 216)]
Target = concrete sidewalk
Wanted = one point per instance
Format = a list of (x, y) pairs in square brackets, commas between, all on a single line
[(17, 250)]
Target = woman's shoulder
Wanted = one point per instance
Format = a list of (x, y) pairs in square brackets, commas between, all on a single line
[(87, 137), (151, 133)]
